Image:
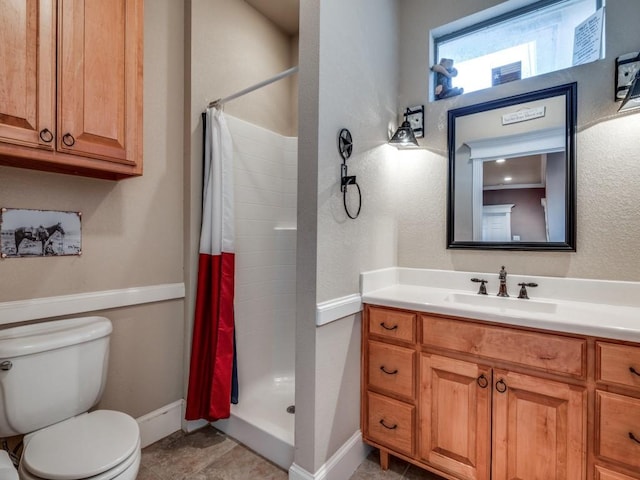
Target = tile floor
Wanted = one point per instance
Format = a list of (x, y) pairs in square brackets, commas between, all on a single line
[(209, 454)]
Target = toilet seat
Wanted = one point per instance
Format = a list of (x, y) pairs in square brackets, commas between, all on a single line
[(98, 446)]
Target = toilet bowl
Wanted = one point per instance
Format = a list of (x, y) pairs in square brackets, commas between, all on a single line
[(51, 374)]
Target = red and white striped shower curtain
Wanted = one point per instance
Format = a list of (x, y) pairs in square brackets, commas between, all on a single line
[(212, 352)]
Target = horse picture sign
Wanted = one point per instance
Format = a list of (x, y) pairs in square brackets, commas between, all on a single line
[(39, 233)]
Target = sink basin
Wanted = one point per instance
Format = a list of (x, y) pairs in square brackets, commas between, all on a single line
[(501, 303)]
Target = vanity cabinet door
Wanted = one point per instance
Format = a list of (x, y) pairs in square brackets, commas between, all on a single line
[(455, 412), (27, 82), (539, 428), (100, 72)]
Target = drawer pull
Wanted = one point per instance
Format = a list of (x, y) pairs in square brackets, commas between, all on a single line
[(387, 371), (384, 325), (392, 427), (634, 371), (482, 381), (501, 387), (633, 437)]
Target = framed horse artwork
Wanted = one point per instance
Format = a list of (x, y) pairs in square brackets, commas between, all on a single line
[(39, 233)]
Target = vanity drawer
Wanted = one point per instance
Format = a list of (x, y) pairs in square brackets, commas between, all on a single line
[(391, 423), (391, 368), (392, 324), (618, 364), (618, 417), (553, 353)]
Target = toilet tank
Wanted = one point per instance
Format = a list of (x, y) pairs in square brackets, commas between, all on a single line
[(51, 371)]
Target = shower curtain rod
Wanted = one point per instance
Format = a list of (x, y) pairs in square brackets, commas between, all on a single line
[(221, 101)]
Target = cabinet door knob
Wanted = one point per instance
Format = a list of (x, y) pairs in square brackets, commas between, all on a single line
[(482, 381), (633, 437), (387, 371), (46, 135), (634, 371), (392, 427), (68, 140), (501, 387), (384, 325)]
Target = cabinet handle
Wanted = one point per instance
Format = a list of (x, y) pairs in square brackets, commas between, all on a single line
[(388, 372), (68, 140), (634, 371), (499, 388), (392, 427), (46, 135), (482, 381), (633, 437), (384, 325)]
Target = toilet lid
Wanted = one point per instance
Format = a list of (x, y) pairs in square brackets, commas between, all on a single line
[(82, 446)]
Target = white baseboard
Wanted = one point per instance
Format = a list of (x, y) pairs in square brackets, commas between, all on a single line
[(341, 465), (160, 423), (189, 426)]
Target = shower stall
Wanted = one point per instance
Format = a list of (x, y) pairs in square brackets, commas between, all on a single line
[(265, 184)]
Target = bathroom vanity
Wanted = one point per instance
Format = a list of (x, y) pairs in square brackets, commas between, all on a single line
[(478, 387)]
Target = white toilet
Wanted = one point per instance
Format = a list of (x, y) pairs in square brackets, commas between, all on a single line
[(51, 374)]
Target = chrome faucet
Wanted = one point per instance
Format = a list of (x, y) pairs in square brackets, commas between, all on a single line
[(502, 276)]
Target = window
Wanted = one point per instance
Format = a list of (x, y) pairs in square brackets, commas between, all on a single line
[(532, 40)]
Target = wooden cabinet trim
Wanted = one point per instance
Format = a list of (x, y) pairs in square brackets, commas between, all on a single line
[(604, 473)]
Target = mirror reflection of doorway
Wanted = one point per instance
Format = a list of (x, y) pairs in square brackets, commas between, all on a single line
[(496, 223)]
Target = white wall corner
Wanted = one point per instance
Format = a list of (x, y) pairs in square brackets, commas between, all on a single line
[(341, 465), (160, 423)]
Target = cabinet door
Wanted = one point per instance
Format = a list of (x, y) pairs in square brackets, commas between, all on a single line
[(538, 429), (27, 82), (100, 79), (455, 405)]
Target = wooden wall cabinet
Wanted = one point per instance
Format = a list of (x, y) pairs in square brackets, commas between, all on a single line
[(487, 401), (71, 88)]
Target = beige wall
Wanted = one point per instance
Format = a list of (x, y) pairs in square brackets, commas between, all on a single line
[(131, 232), (607, 169)]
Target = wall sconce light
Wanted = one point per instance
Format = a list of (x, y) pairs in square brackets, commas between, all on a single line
[(411, 128), (627, 81)]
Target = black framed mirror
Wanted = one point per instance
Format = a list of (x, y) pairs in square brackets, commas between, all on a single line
[(512, 172)]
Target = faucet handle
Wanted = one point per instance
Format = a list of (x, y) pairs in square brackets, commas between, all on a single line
[(523, 289), (483, 288)]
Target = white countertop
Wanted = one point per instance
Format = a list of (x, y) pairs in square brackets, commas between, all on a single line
[(588, 307)]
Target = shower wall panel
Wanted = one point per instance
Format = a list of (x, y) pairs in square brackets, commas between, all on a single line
[(265, 169)]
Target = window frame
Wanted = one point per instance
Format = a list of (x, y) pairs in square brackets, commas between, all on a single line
[(437, 39)]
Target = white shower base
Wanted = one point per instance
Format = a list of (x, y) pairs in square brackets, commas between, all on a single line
[(260, 419)]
